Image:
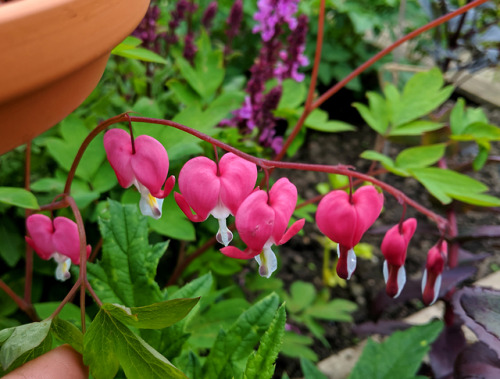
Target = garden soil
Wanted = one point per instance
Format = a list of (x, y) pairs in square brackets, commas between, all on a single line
[(302, 257)]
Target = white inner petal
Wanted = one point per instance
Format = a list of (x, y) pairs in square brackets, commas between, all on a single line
[(267, 261), (62, 270), (437, 288), (224, 235), (401, 279), (351, 263), (149, 205), (424, 280), (385, 270)]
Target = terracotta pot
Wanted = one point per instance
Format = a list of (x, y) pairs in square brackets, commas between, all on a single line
[(53, 53)]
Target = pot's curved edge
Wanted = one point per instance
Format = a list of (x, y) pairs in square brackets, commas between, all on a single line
[(50, 39)]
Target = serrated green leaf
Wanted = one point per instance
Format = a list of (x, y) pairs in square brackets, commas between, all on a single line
[(228, 356), (153, 316), (109, 344), (310, 370), (420, 156), (446, 185), (125, 274), (399, 356), (190, 365), (335, 310), (68, 333), (415, 128), (185, 94), (23, 341), (18, 197), (261, 363)]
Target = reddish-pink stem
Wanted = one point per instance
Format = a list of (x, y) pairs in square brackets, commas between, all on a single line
[(337, 87), (29, 251), (21, 303)]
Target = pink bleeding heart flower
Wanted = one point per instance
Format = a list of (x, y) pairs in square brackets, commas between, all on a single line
[(56, 239), (146, 168), (431, 280), (394, 247), (215, 189), (262, 221), (344, 219)]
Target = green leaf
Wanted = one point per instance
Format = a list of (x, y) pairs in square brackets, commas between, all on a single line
[(231, 349), (63, 150), (293, 94), (296, 346), (318, 120), (302, 295), (190, 365), (109, 344), (420, 156), (154, 316), (125, 274), (11, 242), (70, 312), (385, 160), (24, 341), (185, 94), (68, 333), (399, 356), (310, 370), (128, 43), (479, 131), (18, 197), (415, 128), (261, 363), (458, 121), (139, 53), (482, 156), (446, 185), (422, 94), (375, 115), (173, 223), (335, 310)]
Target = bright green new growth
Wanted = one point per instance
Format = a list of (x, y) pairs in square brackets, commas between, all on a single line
[(399, 356)]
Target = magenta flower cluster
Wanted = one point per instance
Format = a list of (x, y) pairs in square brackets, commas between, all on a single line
[(227, 187)]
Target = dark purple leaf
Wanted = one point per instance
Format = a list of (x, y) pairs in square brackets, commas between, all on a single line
[(480, 232), (465, 256), (445, 350), (385, 328), (479, 309), (477, 361), (413, 289)]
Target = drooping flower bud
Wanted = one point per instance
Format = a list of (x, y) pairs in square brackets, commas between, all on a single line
[(262, 221), (216, 189), (344, 219), (431, 280), (146, 168), (58, 240), (394, 247)]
